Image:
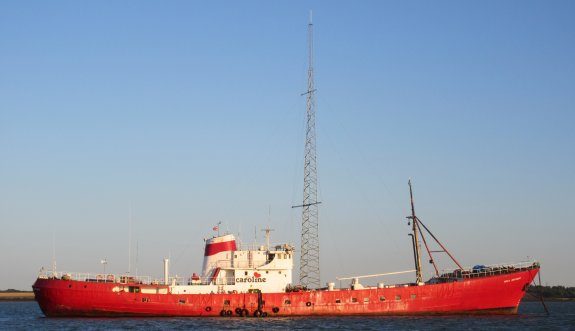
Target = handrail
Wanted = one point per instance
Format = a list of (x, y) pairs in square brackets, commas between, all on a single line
[(99, 278), (132, 279), (522, 264), (487, 270), (258, 246), (376, 275)]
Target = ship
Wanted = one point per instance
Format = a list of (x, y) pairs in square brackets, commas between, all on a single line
[(257, 280)]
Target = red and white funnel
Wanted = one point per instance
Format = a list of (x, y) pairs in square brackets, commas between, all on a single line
[(218, 252)]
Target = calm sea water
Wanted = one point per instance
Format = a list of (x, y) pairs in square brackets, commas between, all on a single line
[(27, 315)]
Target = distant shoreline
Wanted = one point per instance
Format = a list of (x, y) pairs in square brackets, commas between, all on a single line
[(528, 298), (17, 296)]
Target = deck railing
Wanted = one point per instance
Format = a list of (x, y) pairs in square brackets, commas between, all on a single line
[(487, 270), (262, 247), (98, 278), (132, 279)]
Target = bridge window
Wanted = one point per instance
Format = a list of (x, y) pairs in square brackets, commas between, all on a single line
[(134, 289)]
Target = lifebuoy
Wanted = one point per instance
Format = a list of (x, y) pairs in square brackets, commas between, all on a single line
[(308, 303), (257, 313), (222, 313), (275, 309), (208, 308), (229, 313)]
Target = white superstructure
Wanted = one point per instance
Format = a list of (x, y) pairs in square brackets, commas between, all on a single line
[(227, 269)]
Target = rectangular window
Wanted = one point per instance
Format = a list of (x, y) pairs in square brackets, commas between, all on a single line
[(353, 299), (287, 302), (365, 300), (337, 301)]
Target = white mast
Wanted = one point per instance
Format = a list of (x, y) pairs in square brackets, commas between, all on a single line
[(130, 239), (53, 253)]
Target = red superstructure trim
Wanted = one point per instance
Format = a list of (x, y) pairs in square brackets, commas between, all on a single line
[(493, 294), (215, 248)]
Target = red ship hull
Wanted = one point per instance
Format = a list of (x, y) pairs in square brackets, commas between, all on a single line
[(498, 294)]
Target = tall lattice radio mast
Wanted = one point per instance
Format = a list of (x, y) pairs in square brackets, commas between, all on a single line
[(309, 263)]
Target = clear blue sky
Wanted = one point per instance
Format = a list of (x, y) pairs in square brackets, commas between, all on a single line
[(190, 113)]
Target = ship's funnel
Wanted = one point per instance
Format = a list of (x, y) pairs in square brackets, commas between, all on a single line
[(218, 253)]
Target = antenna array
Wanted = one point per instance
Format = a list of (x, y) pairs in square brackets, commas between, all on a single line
[(309, 263)]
